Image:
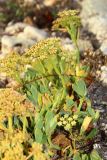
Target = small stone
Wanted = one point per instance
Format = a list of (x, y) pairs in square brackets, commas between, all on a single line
[(13, 29), (35, 33), (85, 45), (67, 44), (49, 2), (103, 47), (96, 146)]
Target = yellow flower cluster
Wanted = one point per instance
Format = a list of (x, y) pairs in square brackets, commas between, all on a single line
[(11, 146), (67, 18), (43, 48), (13, 103), (13, 64), (68, 121), (37, 152)]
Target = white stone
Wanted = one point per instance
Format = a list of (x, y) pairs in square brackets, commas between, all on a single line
[(49, 2), (84, 45), (104, 68), (35, 33), (15, 28), (104, 77), (20, 37), (67, 44), (103, 47), (10, 43), (94, 17)]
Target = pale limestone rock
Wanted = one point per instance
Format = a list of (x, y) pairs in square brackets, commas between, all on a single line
[(35, 33), (94, 17), (104, 47), (15, 28), (104, 74), (20, 37)]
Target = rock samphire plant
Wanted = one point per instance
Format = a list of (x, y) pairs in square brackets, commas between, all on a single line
[(47, 115)]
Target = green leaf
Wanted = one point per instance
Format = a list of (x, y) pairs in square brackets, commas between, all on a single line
[(92, 134), (39, 67), (50, 123), (39, 121), (34, 93), (48, 65), (38, 135), (91, 112), (80, 88), (95, 156), (77, 156), (73, 32), (85, 157), (62, 65), (97, 115), (69, 102), (57, 99), (43, 89), (30, 97)]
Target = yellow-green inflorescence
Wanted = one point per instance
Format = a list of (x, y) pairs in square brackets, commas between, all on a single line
[(14, 64), (68, 121), (67, 18), (11, 146), (44, 48), (13, 103), (19, 146)]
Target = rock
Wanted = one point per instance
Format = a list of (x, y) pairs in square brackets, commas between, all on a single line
[(103, 47), (13, 43), (94, 17), (85, 45), (14, 29), (104, 74), (19, 37), (49, 3), (67, 44), (33, 33)]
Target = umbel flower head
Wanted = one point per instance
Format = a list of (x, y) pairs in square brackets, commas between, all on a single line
[(13, 147), (13, 64), (44, 48), (67, 19), (13, 103)]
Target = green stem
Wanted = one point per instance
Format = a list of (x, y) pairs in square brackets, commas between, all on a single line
[(80, 104), (75, 39)]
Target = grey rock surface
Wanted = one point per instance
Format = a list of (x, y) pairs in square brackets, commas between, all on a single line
[(94, 18), (98, 94)]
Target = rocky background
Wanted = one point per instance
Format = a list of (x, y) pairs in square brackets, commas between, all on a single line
[(25, 22)]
